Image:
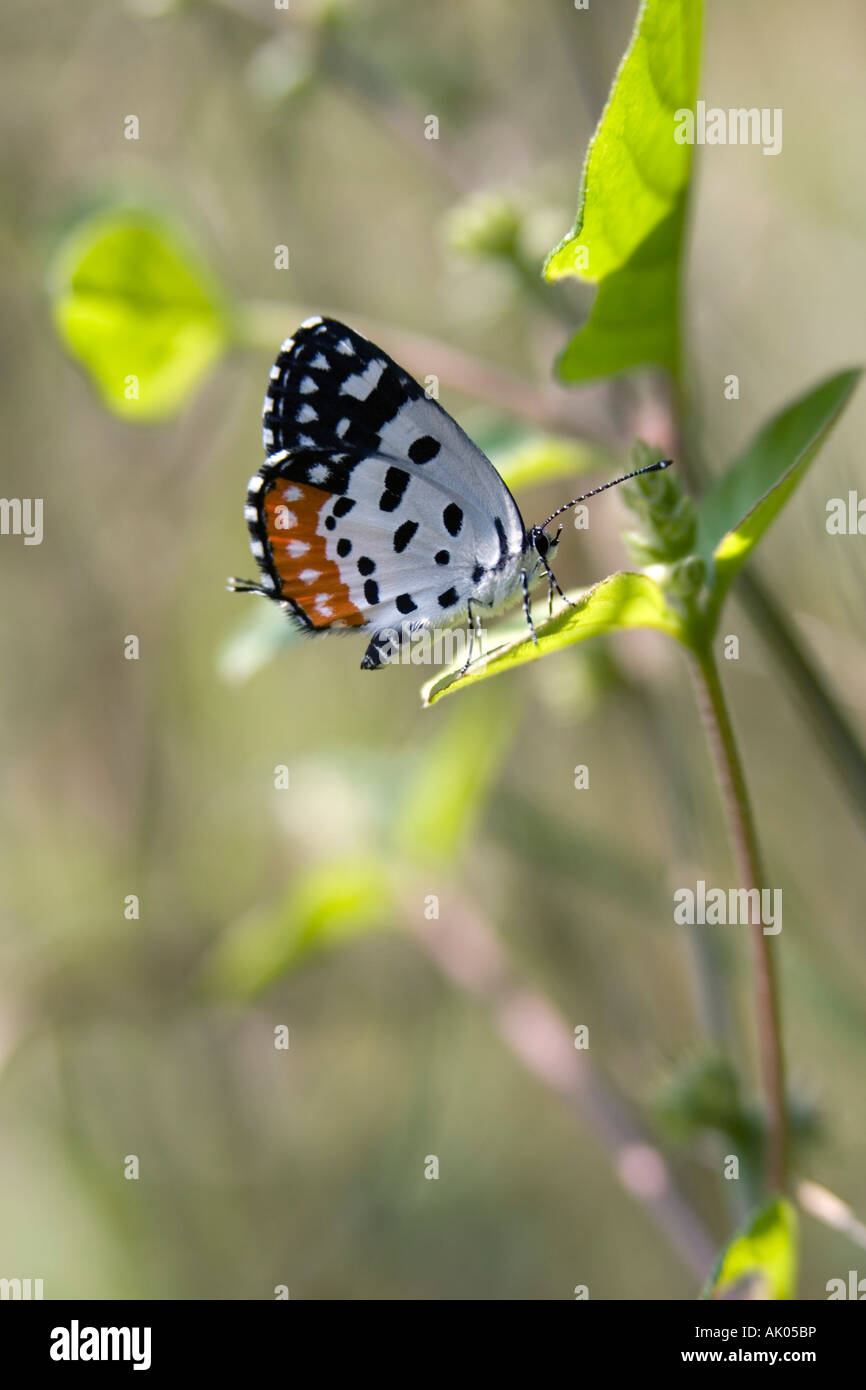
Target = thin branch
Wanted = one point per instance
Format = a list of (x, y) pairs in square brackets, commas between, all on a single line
[(825, 1206), (468, 953)]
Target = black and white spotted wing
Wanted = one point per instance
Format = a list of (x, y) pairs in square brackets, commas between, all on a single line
[(373, 509)]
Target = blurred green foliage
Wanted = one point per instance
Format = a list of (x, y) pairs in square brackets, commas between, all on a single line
[(133, 307), (156, 777)]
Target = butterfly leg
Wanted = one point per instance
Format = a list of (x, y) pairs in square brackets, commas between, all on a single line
[(524, 582), (382, 648), (474, 620), (553, 583), (468, 662)]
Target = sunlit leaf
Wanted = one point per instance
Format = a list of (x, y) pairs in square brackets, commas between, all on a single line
[(623, 600), (628, 232), (761, 1260), (327, 906), (734, 515), (135, 309)]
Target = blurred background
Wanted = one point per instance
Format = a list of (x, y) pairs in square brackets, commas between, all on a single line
[(263, 907)]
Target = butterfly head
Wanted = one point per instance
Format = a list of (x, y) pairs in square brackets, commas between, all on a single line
[(544, 545)]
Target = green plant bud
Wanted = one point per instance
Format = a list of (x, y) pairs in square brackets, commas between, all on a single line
[(486, 224), (642, 550), (686, 576), (668, 517), (702, 1094)]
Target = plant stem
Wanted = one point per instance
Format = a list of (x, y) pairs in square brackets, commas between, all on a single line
[(744, 842)]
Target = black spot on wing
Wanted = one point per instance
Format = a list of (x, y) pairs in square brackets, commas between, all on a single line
[(396, 482), (405, 603), (403, 535), (449, 598), (442, 557), (424, 449), (453, 519), (366, 565)]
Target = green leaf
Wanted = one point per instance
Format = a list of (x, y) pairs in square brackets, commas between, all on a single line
[(447, 793), (763, 1253), (133, 306), (734, 515), (623, 600), (628, 232), (327, 905), (634, 319)]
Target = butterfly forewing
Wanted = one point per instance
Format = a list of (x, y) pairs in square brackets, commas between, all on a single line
[(373, 508)]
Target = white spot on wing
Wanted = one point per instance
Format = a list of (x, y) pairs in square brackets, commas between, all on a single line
[(319, 473), (291, 492), (345, 347), (287, 345), (364, 382), (310, 576), (296, 548), (312, 322), (251, 514), (342, 426), (278, 457), (306, 413), (255, 483), (321, 362), (307, 386)]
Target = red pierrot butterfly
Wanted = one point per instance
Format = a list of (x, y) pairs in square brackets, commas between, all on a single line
[(373, 510)]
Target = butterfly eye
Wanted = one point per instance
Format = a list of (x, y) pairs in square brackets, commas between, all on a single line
[(542, 543)]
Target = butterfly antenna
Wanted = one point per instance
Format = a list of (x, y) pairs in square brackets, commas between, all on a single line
[(650, 468)]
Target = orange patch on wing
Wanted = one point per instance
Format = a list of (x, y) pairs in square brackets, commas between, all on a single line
[(292, 517)]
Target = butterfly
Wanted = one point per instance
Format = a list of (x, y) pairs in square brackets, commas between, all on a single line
[(373, 510)]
